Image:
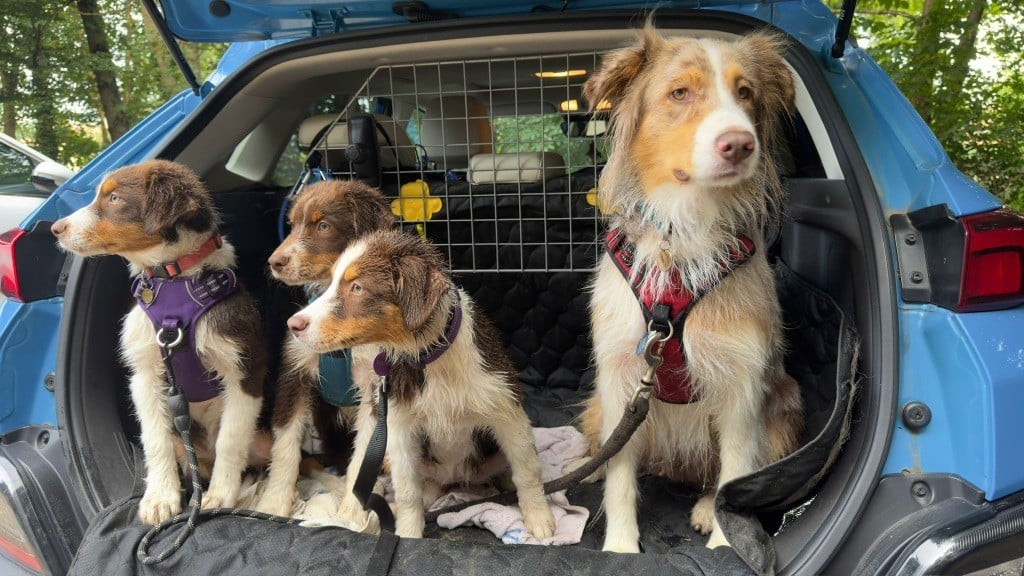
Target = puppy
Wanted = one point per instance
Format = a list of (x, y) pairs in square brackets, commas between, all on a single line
[(159, 216), (455, 404), (690, 185), (326, 217)]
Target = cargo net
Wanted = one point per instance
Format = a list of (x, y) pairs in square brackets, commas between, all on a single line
[(495, 161)]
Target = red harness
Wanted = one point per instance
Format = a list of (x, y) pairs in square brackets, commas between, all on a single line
[(668, 313)]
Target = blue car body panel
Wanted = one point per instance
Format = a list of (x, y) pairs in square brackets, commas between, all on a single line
[(968, 368)]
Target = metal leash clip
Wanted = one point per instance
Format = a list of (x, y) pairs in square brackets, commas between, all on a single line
[(650, 347)]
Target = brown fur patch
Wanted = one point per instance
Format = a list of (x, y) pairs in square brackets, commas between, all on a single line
[(387, 327), (108, 186), (118, 238), (350, 208), (351, 273)]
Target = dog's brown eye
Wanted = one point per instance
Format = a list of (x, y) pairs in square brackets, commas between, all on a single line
[(744, 93), (323, 226), (680, 94), (356, 288)]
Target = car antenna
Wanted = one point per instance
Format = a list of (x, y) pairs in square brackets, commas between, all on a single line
[(843, 28)]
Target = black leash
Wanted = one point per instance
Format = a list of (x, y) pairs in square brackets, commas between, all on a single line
[(373, 459), (178, 405), (634, 415)]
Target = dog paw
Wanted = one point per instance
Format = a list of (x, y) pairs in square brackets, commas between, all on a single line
[(277, 504), (540, 523), (621, 546), (351, 515), (158, 505), (213, 500), (702, 518)]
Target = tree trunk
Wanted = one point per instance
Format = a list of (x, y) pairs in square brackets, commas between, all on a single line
[(924, 60), (102, 66), (964, 51), (8, 92), (44, 109)]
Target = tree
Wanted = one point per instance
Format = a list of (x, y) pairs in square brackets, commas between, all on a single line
[(957, 62), (102, 66)]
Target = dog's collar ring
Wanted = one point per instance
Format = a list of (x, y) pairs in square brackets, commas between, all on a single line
[(165, 343)]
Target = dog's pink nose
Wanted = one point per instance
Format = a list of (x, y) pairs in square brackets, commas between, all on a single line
[(59, 227), (278, 261), (735, 145), (298, 323)]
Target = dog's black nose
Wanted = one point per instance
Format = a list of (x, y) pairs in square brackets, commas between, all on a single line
[(298, 323), (735, 145), (59, 227), (278, 261)]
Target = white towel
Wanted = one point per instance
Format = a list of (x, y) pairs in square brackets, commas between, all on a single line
[(555, 447)]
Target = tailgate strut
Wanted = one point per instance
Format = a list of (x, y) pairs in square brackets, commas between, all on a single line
[(172, 45)]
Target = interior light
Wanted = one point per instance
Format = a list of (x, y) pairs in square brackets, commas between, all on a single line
[(560, 73), (569, 105)]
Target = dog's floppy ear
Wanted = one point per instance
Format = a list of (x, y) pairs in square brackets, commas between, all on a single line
[(419, 287), (765, 51), (369, 214), (619, 67), (170, 197)]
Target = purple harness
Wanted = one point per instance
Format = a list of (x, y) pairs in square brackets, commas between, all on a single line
[(174, 305), (382, 366)]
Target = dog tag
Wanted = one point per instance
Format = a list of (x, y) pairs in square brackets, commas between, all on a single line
[(664, 258), (146, 295)]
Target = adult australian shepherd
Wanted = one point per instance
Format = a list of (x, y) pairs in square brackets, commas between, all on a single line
[(455, 404), (690, 187), (159, 216), (325, 219)]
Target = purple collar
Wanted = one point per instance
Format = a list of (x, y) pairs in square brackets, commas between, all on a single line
[(383, 367), (174, 304)]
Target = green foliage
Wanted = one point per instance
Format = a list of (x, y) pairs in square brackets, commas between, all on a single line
[(544, 133), (48, 94), (958, 63)]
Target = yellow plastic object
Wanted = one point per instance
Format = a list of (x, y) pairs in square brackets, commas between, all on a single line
[(593, 201), (414, 203)]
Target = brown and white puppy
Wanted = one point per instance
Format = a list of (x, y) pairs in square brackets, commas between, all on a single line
[(325, 218), (690, 168), (457, 420), (152, 213)]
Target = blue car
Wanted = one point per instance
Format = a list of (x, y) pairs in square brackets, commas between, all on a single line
[(904, 324)]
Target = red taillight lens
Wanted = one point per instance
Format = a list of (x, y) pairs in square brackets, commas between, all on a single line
[(993, 267), (15, 542), (9, 284)]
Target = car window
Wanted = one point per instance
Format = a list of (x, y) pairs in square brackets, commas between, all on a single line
[(15, 172), (549, 133)]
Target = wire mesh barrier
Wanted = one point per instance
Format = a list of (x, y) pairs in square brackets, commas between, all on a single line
[(496, 161)]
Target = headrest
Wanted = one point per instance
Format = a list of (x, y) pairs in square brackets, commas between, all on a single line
[(454, 128), (510, 168), (337, 140)]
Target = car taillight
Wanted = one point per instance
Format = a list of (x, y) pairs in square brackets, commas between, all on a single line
[(30, 263), (9, 284), (993, 271), (14, 543), (970, 264)]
